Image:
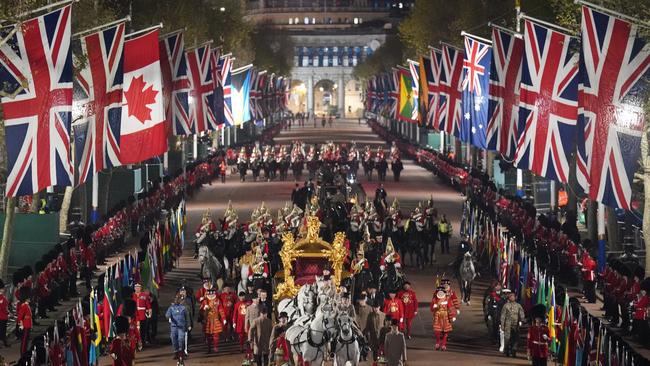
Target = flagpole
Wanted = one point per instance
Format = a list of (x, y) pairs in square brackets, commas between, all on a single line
[(612, 12), (520, 173), (551, 25), (173, 32), (142, 31), (488, 41), (47, 7), (504, 29), (101, 27), (201, 45)]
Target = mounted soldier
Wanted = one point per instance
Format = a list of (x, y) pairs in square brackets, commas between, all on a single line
[(242, 164), (368, 163), (268, 164), (204, 232), (255, 163), (380, 164), (297, 161)]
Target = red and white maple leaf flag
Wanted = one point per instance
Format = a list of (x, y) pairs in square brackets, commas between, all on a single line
[(143, 116)]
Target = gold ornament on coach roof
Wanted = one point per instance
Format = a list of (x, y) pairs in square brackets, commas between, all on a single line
[(309, 245)]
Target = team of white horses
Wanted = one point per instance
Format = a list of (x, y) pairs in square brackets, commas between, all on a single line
[(316, 323)]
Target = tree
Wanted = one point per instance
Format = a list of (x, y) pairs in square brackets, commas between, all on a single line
[(274, 49), (385, 57)]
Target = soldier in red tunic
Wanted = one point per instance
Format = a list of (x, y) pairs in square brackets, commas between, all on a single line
[(410, 301), (537, 343), (228, 300), (444, 314), (239, 319), (589, 277), (121, 349), (200, 293), (24, 319), (640, 316), (395, 308), (4, 314), (143, 311)]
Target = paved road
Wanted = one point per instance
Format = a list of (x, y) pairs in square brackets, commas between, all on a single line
[(468, 344)]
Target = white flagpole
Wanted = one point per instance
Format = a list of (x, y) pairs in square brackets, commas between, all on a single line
[(101, 27)]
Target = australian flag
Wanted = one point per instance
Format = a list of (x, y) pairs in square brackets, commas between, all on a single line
[(476, 83)]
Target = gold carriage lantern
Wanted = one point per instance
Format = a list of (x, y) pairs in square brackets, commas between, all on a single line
[(305, 258)]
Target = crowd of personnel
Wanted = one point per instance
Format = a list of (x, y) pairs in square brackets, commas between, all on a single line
[(271, 162), (33, 293)]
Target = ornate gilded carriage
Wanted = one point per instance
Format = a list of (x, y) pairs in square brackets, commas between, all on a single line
[(305, 257)]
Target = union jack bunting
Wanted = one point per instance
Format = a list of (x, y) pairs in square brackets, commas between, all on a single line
[(176, 84), (505, 77), (98, 94), (36, 66), (225, 67), (614, 71), (202, 91), (449, 109), (218, 87), (548, 106), (393, 83)]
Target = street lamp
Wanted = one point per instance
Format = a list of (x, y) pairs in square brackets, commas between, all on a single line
[(222, 9)]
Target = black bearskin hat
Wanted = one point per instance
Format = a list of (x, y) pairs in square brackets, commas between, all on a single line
[(121, 325), (129, 307), (538, 311)]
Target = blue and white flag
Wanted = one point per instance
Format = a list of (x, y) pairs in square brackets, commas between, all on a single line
[(240, 98), (475, 85)]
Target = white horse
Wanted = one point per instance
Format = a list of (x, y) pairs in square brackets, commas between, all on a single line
[(310, 342), (466, 273), (210, 266), (243, 273), (347, 345)]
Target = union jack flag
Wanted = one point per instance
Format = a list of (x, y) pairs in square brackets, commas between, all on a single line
[(202, 92), (449, 109), (393, 83), (371, 94), (176, 83), (225, 67), (505, 76), (38, 58), (218, 87), (614, 71), (548, 106), (98, 93)]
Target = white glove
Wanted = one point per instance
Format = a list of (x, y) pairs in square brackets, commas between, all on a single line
[(520, 323), (453, 319), (545, 337), (489, 317), (457, 312), (265, 275)]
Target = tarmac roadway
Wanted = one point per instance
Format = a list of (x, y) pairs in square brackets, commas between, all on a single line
[(468, 343)]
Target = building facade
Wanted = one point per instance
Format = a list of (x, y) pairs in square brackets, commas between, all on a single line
[(330, 38)]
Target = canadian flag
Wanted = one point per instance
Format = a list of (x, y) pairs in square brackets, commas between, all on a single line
[(143, 116)]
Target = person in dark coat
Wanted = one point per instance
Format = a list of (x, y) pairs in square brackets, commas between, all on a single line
[(260, 337), (395, 345), (397, 166)]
